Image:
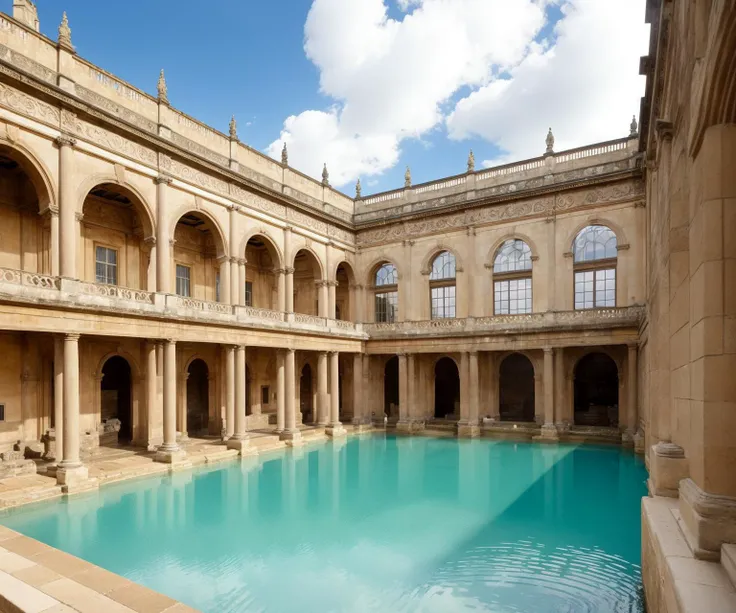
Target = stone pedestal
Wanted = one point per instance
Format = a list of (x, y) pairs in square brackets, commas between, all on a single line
[(292, 438), (667, 467), (708, 520), (335, 430), (468, 430), (548, 434), (242, 445), (170, 456), (639, 442), (75, 479)]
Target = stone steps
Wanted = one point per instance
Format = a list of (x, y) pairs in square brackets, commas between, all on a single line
[(728, 561)]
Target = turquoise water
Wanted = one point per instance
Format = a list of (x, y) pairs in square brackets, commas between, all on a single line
[(375, 524)]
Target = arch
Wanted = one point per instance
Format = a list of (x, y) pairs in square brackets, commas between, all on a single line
[(128, 357), (570, 370), (491, 256), (36, 170), (621, 238), (116, 395), (596, 390), (446, 388), (319, 270), (270, 242), (198, 396), (221, 245), (350, 271), (370, 271), (434, 252), (516, 391), (140, 203), (192, 358), (391, 387)]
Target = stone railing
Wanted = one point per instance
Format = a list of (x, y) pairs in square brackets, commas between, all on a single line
[(32, 279), (310, 320), (199, 305), (115, 291), (589, 318), (345, 325), (257, 313)]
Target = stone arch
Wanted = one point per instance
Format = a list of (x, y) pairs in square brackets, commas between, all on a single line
[(491, 257), (140, 203), (536, 361), (270, 242), (370, 271), (134, 366), (517, 387), (221, 245), (123, 405), (572, 364), (446, 355), (446, 382), (621, 238), (36, 171), (188, 362), (349, 268), (438, 248), (596, 390), (320, 270)]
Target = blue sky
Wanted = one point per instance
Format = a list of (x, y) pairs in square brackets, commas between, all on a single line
[(263, 62)]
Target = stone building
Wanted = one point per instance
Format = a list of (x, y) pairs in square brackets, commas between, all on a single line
[(161, 280)]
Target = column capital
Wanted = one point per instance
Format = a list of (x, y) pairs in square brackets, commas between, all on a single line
[(65, 140), (632, 346), (223, 259), (73, 336), (150, 241), (289, 270), (242, 261), (170, 341), (163, 179), (473, 352), (548, 350), (333, 353)]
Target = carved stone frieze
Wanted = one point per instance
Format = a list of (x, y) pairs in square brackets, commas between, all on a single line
[(22, 103), (115, 109), (257, 202), (106, 139), (27, 64), (196, 177), (198, 149)]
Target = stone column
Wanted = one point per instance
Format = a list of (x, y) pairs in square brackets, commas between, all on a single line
[(71, 472), (54, 255), (404, 423), (323, 299), (560, 388), (494, 401), (163, 242), (549, 430), (632, 415), (241, 281), (170, 451), (232, 260), (467, 426), (229, 391), (323, 408), (289, 289), (291, 433), (360, 403), (281, 285), (335, 428), (332, 300), (280, 391), (59, 398), (224, 262), (153, 419), (68, 230), (239, 440)]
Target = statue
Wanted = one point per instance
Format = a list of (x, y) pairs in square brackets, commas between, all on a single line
[(471, 161), (285, 156), (163, 93), (233, 128), (550, 142), (407, 177), (325, 176), (357, 189), (633, 127), (65, 33)]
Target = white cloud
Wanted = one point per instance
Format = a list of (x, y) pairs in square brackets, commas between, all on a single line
[(389, 79), (586, 87)]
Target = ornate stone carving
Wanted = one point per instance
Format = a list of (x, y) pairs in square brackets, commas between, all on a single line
[(65, 33), (285, 156), (107, 139), (28, 65), (407, 177), (163, 91), (15, 100), (471, 161), (196, 177), (233, 128), (198, 149), (550, 142), (357, 190), (633, 127), (115, 109), (325, 176)]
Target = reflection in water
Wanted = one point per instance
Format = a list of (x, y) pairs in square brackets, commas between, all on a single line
[(377, 524)]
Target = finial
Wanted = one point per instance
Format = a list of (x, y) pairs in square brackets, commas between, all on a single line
[(471, 161), (233, 128), (325, 176), (358, 189), (65, 33), (407, 177), (285, 156), (550, 140), (633, 127), (163, 93)]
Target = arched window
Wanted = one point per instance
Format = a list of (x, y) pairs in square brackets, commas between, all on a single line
[(387, 293), (594, 256), (512, 278), (442, 285)]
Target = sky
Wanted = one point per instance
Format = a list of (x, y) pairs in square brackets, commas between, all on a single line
[(370, 87)]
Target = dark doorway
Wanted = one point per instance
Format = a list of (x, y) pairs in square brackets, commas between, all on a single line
[(116, 396), (596, 391), (446, 389), (516, 388), (306, 396), (391, 388), (248, 381), (198, 398)]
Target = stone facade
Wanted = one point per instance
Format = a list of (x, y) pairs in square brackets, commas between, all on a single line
[(160, 280)]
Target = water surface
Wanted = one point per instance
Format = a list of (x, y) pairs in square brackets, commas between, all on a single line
[(375, 524)]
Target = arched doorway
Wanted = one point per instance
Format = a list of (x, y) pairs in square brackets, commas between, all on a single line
[(198, 398), (516, 388), (391, 388), (116, 396), (305, 395), (307, 271), (596, 391), (446, 389), (248, 383), (261, 286), (343, 306), (198, 243)]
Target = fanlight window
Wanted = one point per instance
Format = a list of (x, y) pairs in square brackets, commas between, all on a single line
[(512, 278), (594, 256), (442, 285), (387, 293)]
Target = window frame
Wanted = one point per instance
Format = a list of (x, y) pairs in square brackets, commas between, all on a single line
[(387, 291), (248, 293), (107, 264), (595, 266), (189, 279), (442, 283), (514, 275)]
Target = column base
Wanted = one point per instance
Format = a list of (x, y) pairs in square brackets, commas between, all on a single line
[(548, 434), (667, 467), (639, 441), (335, 430), (170, 455), (75, 479), (627, 438), (409, 426), (242, 445), (468, 430), (182, 437), (292, 438), (361, 425), (708, 520)]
